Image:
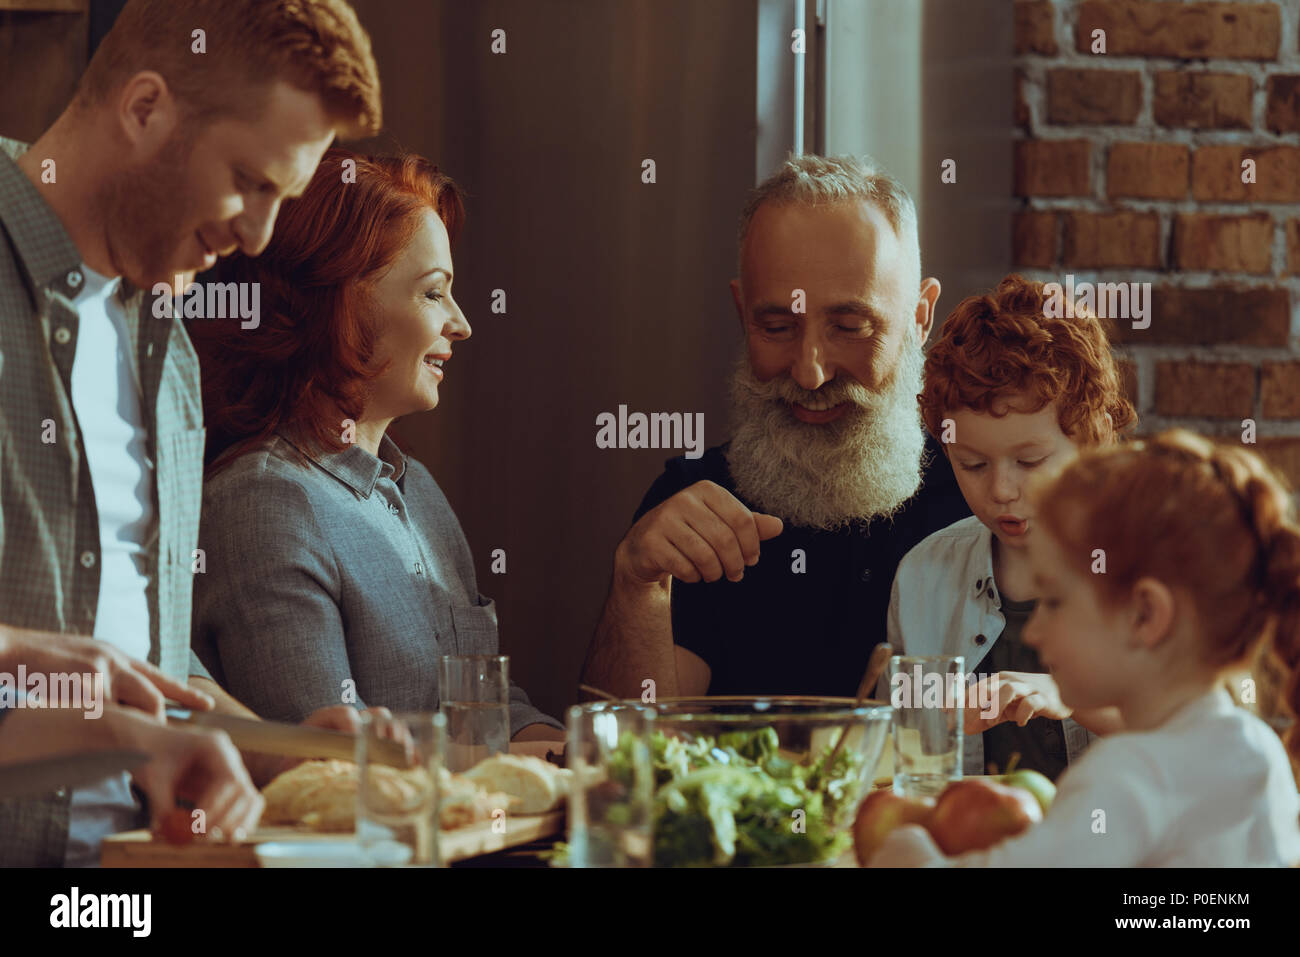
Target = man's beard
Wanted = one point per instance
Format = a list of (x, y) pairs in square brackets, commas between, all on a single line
[(861, 466), (144, 209)]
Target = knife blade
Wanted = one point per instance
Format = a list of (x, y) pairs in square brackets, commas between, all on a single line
[(288, 740), (65, 771)]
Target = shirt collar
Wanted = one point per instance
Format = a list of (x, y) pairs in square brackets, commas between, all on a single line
[(980, 569), (46, 252), (354, 466)]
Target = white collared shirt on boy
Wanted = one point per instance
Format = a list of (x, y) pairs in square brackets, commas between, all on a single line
[(945, 602)]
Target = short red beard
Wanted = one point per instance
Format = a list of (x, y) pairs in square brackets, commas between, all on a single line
[(140, 206)]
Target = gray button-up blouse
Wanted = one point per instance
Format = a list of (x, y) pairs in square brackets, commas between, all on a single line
[(343, 572)]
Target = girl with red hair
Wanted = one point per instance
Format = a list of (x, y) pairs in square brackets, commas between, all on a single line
[(335, 570), (1162, 567)]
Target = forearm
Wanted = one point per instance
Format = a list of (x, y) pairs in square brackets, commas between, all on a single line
[(261, 767), (634, 641), (29, 734), (538, 732), (223, 703), (8, 650)]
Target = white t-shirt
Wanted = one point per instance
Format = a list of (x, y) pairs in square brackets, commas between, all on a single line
[(106, 400), (1212, 787)]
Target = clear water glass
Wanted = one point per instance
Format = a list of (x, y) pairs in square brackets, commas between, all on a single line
[(474, 696), (929, 696)]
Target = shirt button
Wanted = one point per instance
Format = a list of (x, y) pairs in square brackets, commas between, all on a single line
[(865, 575), (88, 559), (74, 278), (62, 335), (980, 639), (419, 569)]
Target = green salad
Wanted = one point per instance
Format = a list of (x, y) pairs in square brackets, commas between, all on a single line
[(735, 801)]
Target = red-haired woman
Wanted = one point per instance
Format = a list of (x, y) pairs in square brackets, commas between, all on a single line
[(336, 570)]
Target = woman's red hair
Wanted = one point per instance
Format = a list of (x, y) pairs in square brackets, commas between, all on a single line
[(1001, 346), (1211, 520), (310, 358)]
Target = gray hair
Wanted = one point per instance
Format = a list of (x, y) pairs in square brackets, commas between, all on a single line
[(816, 180)]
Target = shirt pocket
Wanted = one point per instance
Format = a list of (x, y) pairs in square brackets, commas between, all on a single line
[(474, 629)]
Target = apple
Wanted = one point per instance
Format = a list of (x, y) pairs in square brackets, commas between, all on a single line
[(882, 811), (1039, 785), (977, 813)]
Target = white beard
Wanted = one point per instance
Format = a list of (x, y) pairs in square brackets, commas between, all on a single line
[(864, 465)]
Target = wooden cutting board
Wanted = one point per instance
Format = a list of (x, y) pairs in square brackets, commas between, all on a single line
[(141, 849)]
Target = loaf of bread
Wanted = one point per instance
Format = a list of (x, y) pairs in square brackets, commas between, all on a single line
[(322, 795), (536, 785)]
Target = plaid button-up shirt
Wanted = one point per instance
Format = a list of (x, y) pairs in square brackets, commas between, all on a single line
[(49, 529)]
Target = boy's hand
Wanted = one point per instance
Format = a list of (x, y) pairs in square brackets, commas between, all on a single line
[(1017, 696)]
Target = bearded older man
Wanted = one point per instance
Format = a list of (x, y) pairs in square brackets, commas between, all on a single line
[(829, 467)]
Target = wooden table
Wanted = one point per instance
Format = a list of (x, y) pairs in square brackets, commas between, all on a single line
[(140, 849)]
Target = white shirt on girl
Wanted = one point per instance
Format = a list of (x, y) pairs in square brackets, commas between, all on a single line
[(1211, 787)]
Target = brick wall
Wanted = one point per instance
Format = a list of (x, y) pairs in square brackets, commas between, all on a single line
[(1128, 168)]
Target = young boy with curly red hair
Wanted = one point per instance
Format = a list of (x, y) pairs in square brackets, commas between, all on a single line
[(1009, 393)]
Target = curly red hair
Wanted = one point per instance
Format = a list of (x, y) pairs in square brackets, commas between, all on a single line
[(1000, 346), (313, 349)]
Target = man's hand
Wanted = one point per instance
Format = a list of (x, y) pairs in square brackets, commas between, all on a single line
[(198, 764), (1017, 696), (128, 682), (700, 534)]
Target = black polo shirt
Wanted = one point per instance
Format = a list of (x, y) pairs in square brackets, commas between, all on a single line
[(782, 630)]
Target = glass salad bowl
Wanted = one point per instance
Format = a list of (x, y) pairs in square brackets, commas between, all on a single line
[(743, 781)]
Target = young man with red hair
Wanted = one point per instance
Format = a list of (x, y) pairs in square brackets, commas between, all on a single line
[(193, 122), (1009, 393)]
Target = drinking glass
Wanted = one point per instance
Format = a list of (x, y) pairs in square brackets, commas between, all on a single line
[(398, 763), (474, 691), (929, 696), (612, 792)]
